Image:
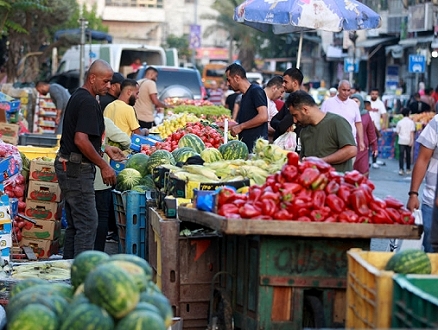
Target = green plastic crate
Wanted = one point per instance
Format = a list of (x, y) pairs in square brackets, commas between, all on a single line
[(415, 302)]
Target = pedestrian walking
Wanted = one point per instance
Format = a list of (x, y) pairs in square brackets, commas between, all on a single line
[(405, 130), (379, 116)]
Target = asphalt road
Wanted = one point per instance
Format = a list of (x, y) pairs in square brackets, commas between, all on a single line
[(389, 182)]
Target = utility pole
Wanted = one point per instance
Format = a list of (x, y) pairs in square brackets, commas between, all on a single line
[(195, 22), (84, 24)]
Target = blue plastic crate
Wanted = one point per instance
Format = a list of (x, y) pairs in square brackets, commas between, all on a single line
[(130, 209)]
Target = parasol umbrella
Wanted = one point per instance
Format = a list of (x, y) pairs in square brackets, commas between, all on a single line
[(288, 16)]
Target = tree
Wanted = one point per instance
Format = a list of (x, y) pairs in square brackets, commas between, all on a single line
[(180, 43)]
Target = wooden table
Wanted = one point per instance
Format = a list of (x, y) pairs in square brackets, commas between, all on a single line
[(289, 274)]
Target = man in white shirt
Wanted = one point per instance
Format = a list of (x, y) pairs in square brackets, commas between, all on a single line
[(342, 105), (274, 90), (379, 117)]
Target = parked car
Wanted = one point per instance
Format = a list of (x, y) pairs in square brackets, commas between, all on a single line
[(177, 82)]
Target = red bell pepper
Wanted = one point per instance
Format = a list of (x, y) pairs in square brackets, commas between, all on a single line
[(289, 173), (377, 204), (358, 201), (279, 178), (348, 216), (336, 177), (283, 215), (392, 202), (288, 191), (406, 216), (318, 163), (381, 217), (239, 202), (305, 195), (332, 187), (225, 195), (354, 177), (344, 194), (335, 203), (254, 193), (318, 199), (293, 158), (302, 211), (249, 211), (269, 207), (367, 190), (369, 183), (317, 215), (226, 210), (364, 219), (267, 195), (308, 176), (394, 215), (331, 218), (304, 219), (262, 217), (320, 182)]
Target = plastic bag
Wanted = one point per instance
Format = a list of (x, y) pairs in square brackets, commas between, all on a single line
[(403, 244), (287, 141)]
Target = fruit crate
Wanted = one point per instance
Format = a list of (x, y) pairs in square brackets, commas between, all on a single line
[(184, 267), (370, 289), (130, 209), (38, 140), (415, 302)]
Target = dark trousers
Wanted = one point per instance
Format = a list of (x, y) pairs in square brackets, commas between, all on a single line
[(103, 200), (404, 153), (146, 124), (80, 208), (433, 235)]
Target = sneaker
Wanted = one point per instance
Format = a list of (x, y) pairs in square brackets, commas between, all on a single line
[(112, 238), (401, 172), (375, 165), (408, 171), (380, 163)]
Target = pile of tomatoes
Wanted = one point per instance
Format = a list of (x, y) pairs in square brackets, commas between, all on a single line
[(211, 137)]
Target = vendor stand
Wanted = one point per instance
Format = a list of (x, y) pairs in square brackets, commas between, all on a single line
[(288, 274)]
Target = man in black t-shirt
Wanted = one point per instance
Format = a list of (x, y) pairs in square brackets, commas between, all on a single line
[(80, 151), (252, 117)]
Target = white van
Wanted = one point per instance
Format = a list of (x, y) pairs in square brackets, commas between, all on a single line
[(119, 56)]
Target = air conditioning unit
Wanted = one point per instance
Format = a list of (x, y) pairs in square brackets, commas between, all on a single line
[(420, 17)]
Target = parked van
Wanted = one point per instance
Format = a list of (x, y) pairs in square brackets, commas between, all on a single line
[(119, 56), (213, 72)]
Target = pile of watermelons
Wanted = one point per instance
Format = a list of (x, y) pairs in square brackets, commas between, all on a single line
[(106, 292)]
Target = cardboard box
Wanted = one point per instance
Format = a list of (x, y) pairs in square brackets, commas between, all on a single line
[(42, 170), (8, 168), (44, 229), (117, 166), (5, 246), (138, 140), (9, 133), (41, 210), (44, 191), (44, 248)]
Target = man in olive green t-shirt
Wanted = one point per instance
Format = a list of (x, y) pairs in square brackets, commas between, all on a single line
[(324, 135)]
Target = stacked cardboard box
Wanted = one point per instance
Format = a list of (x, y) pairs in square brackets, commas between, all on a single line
[(43, 197), (5, 229)]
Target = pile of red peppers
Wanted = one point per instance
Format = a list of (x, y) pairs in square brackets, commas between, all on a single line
[(312, 191)]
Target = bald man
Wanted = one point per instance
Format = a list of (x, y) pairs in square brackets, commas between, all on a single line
[(80, 151)]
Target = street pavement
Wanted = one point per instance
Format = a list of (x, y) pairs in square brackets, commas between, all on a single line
[(389, 182)]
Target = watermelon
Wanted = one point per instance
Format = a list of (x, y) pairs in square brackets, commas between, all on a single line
[(410, 261), (127, 179), (136, 260), (138, 162), (24, 284), (211, 155), (193, 141), (141, 319), (183, 156), (148, 181), (33, 317), (177, 151), (157, 158), (87, 316), (161, 302), (144, 306), (113, 289), (135, 271), (234, 149), (84, 263)]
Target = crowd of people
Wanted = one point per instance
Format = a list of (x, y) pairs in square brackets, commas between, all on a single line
[(343, 131)]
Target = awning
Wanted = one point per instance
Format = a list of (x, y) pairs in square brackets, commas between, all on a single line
[(414, 41), (396, 51), (374, 42)]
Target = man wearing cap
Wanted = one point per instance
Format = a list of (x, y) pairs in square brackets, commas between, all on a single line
[(113, 91)]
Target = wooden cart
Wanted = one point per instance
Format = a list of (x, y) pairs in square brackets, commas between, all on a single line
[(288, 274)]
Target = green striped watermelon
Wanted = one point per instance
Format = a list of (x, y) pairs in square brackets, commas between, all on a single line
[(234, 149), (127, 179), (141, 319), (33, 317), (135, 260), (211, 155), (157, 158), (84, 263), (178, 151), (24, 284), (410, 261), (138, 162), (87, 316), (113, 289), (183, 156), (161, 302), (193, 141), (137, 273)]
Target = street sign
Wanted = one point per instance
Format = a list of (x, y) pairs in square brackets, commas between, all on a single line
[(417, 63), (349, 66)]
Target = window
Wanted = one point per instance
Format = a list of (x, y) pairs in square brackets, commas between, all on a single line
[(135, 3)]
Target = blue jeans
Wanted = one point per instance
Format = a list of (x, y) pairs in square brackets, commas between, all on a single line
[(426, 212), (80, 209), (103, 205)]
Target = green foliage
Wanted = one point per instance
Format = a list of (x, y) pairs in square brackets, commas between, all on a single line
[(180, 43), (94, 22)]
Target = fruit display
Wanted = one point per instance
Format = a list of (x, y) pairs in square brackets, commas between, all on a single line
[(410, 261), (109, 292), (311, 190), (209, 112), (173, 123)]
